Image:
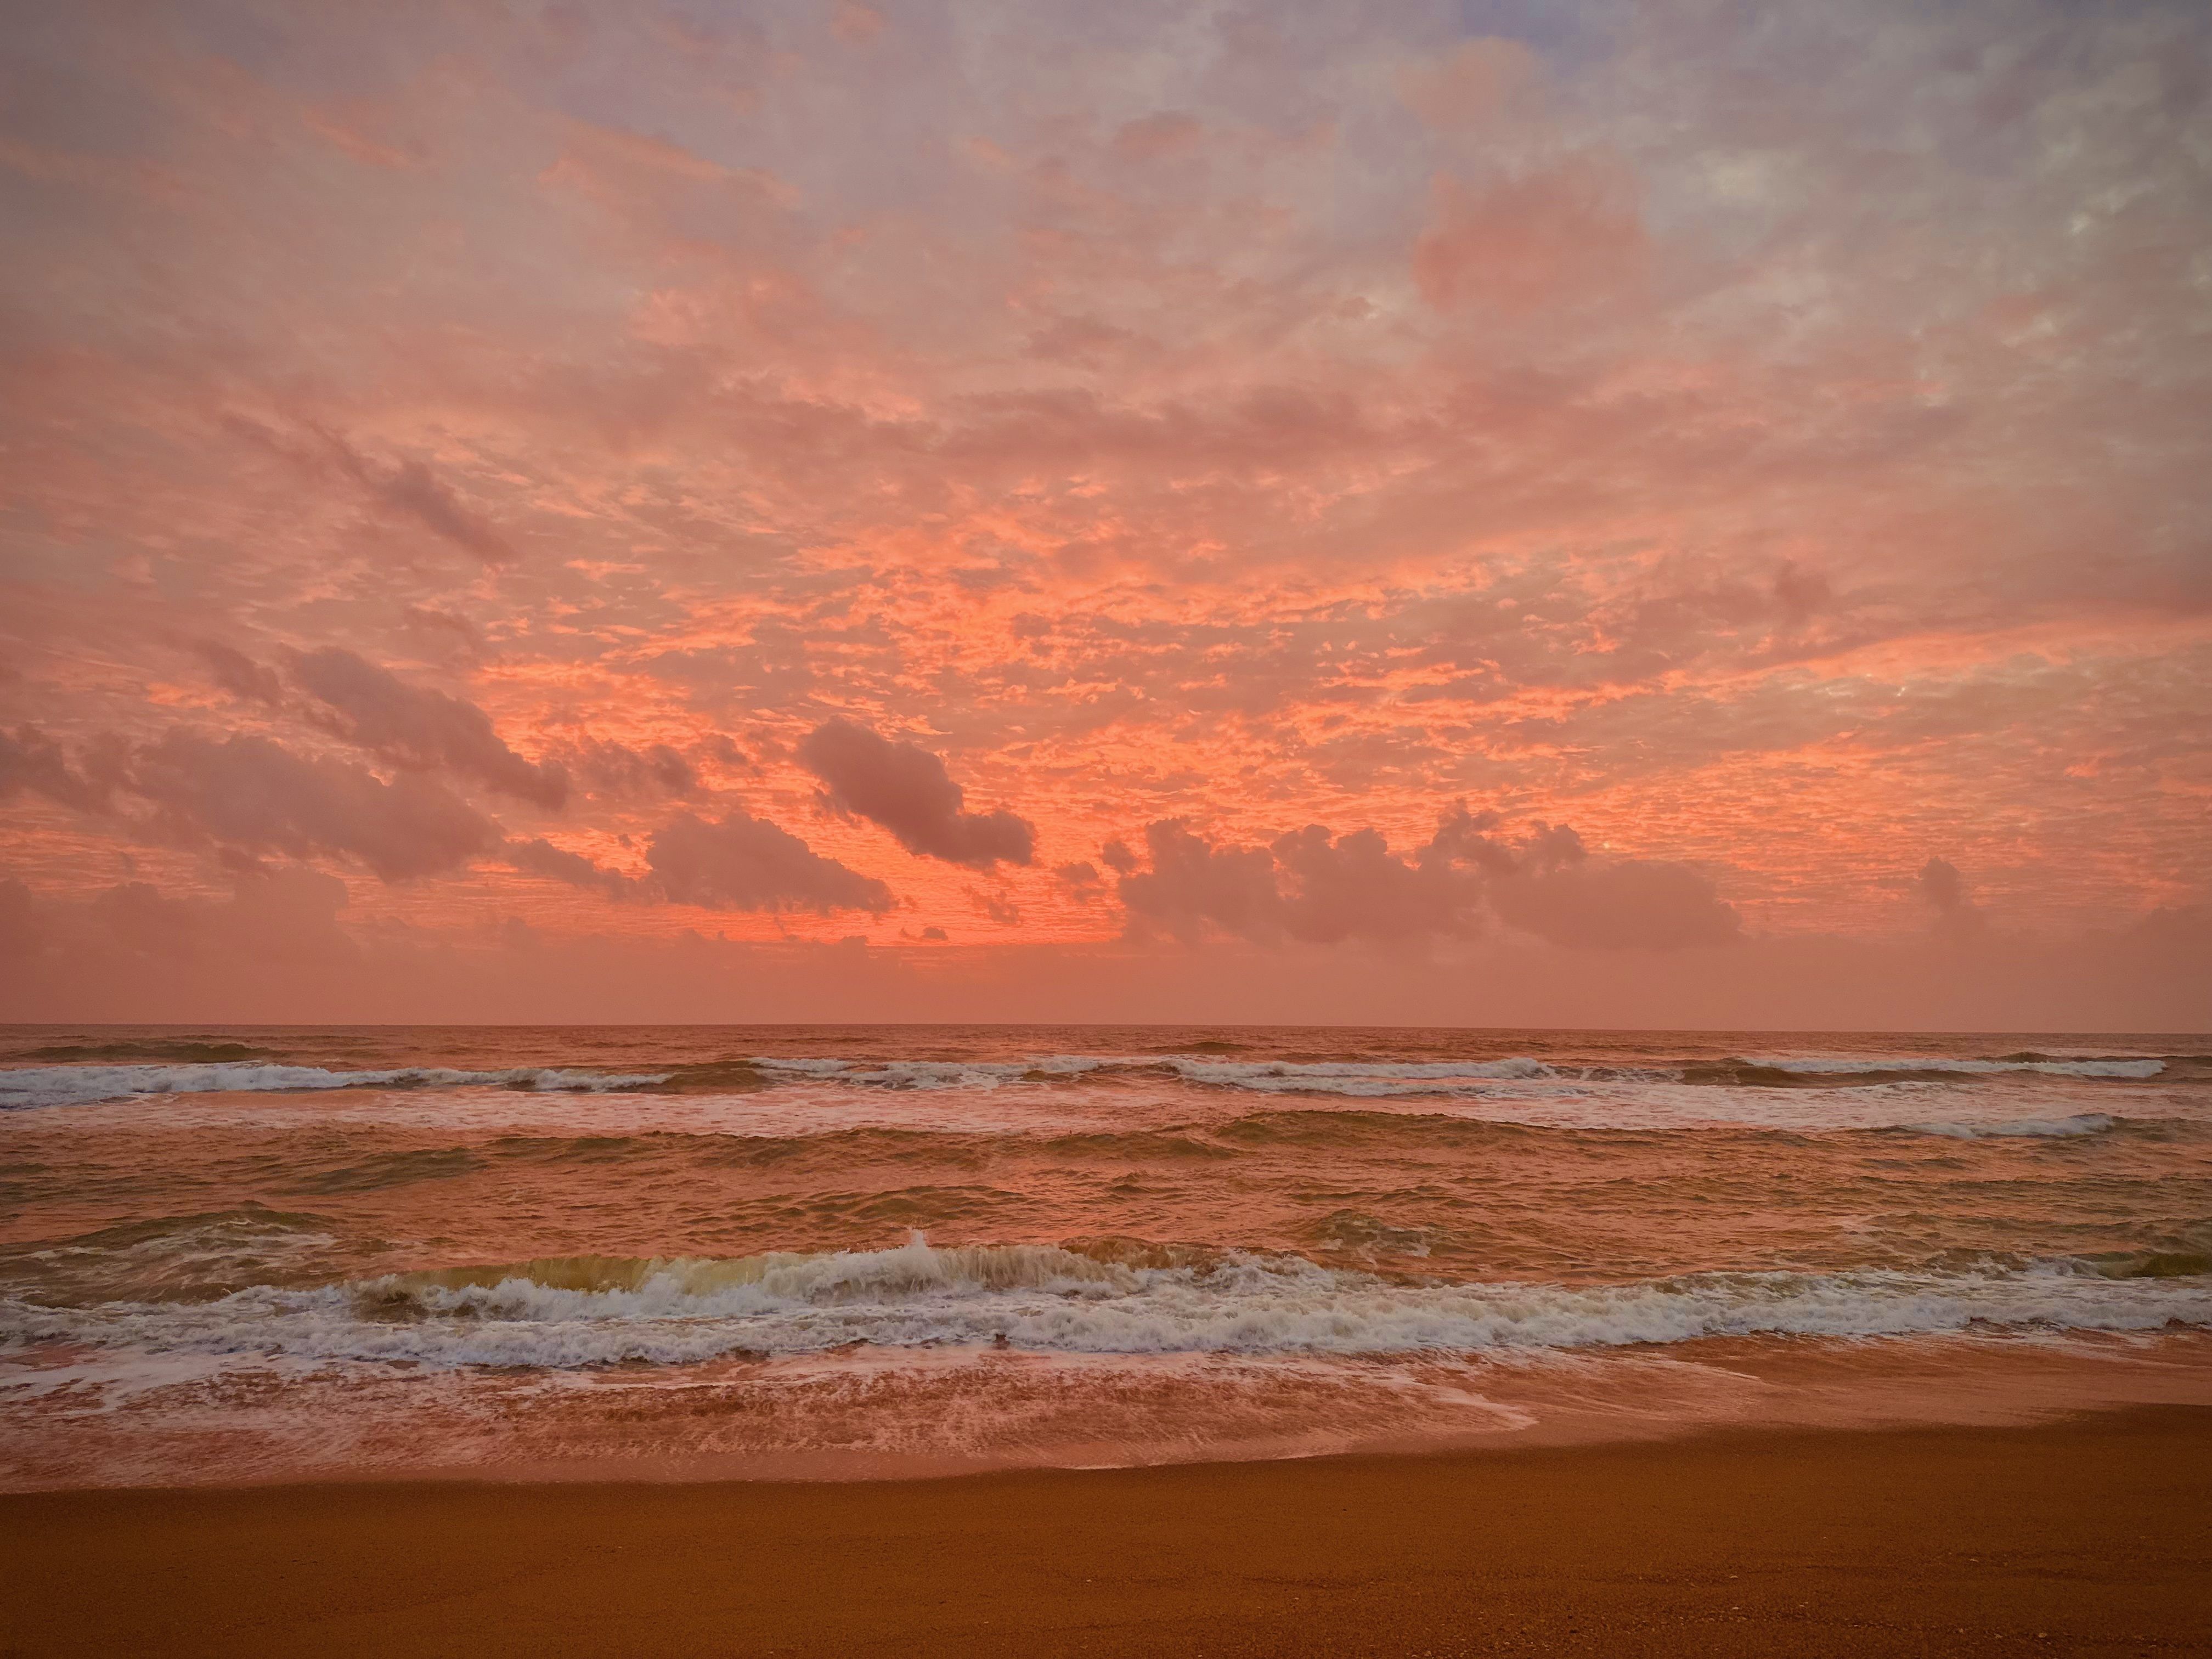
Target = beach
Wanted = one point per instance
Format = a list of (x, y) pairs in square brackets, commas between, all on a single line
[(1225, 1341), (2085, 1536)]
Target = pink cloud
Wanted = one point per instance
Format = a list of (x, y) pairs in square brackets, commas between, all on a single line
[(1713, 439)]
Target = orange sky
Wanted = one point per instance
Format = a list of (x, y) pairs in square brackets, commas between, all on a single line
[(726, 511)]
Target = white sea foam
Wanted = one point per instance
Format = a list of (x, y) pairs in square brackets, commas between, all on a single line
[(579, 1312), (72, 1084), (1355, 1077), (69, 1085), (932, 1073), (1382, 1078), (2058, 1128), (1365, 1078), (1859, 1065)]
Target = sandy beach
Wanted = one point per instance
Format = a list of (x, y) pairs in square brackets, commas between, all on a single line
[(2085, 1536)]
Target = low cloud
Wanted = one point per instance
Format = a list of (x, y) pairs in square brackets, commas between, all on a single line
[(1944, 890), (1615, 905), (1316, 888), (1193, 885), (538, 857), (277, 915), (739, 863), (246, 795), (907, 790), (745, 863), (252, 793)]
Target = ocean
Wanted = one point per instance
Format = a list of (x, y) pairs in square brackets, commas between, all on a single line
[(247, 1255)]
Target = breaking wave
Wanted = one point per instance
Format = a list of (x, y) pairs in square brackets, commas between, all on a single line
[(1114, 1297)]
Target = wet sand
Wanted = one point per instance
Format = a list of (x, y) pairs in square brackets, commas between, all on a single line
[(2090, 1536)]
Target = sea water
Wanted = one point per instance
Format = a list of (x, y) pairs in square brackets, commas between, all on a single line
[(709, 1252)]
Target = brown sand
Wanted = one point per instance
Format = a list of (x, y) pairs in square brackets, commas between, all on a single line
[(2089, 1537)]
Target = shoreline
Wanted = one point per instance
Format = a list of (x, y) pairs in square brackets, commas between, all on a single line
[(873, 1414), (2084, 1536)]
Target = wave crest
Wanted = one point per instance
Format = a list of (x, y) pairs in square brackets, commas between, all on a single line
[(76, 1085), (1106, 1296), (2032, 1128)]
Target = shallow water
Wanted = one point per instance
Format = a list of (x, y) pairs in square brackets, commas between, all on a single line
[(255, 1253)]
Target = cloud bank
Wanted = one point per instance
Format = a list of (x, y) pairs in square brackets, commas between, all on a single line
[(1317, 889)]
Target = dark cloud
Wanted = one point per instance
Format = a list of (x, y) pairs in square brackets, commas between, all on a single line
[(908, 790), (745, 863), (541, 858), (444, 627), (616, 770), (1192, 884), (1547, 883), (413, 725), (240, 674), (1944, 890), (1941, 885), (246, 795), (33, 763), (1080, 881), (412, 489), (1353, 887), (253, 794), (742, 863), (996, 906), (1614, 905), (1318, 889)]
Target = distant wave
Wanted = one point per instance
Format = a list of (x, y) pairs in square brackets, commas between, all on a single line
[(71, 1085), (145, 1049), (1843, 1067), (1116, 1299), (1384, 1078)]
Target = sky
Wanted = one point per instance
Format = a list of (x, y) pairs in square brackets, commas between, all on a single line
[(1685, 513)]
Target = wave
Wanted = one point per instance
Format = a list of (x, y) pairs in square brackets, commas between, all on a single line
[(146, 1049), (1106, 1298), (2137, 1069), (1373, 1078), (2038, 1128), (1384, 1078), (206, 1068), (174, 1258), (74, 1085)]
